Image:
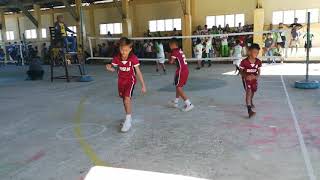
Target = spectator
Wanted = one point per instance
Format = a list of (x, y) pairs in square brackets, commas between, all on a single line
[(295, 34), (306, 44), (61, 30), (109, 34), (148, 46), (268, 43), (104, 50)]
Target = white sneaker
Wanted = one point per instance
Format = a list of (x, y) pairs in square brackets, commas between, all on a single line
[(173, 104), (188, 108), (126, 125)]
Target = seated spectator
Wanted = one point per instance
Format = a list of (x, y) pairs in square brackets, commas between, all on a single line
[(35, 71)]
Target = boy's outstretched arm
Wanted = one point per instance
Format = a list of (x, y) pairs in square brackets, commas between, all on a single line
[(110, 68), (140, 77)]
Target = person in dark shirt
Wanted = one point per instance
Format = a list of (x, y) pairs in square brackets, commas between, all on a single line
[(295, 27)]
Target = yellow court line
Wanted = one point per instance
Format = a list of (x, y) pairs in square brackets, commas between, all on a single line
[(88, 150)]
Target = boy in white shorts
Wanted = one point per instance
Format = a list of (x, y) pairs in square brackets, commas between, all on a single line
[(198, 50), (160, 56), (237, 54)]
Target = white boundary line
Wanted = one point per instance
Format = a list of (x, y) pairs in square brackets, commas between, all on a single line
[(303, 147)]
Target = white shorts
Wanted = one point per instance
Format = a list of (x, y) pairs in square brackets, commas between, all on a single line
[(161, 60), (198, 56)]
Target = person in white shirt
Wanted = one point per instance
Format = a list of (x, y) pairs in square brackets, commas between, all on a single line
[(208, 51), (160, 56), (237, 54), (198, 50)]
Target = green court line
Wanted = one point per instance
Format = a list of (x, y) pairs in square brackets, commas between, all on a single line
[(88, 150)]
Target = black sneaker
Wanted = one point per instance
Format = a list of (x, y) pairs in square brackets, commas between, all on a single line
[(198, 68), (251, 114)]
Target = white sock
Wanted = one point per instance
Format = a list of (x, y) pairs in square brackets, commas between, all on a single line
[(176, 100), (128, 116), (187, 102)]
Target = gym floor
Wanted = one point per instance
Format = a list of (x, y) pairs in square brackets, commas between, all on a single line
[(59, 130)]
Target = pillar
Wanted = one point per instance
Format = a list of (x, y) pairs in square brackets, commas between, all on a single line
[(93, 32), (126, 19), (187, 29), (3, 34), (37, 16), (258, 23), (52, 17), (78, 24)]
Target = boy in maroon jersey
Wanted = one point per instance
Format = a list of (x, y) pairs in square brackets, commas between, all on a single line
[(250, 70), (181, 76), (127, 66)]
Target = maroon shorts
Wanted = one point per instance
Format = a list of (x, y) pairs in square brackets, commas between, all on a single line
[(181, 78), (251, 85), (125, 88)]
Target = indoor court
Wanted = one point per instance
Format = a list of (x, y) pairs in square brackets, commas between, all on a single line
[(68, 123)]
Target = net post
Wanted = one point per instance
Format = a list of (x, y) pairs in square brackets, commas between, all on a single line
[(308, 48)]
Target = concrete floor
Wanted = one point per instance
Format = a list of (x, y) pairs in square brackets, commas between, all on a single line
[(58, 131)]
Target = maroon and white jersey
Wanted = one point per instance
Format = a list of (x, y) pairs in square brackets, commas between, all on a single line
[(250, 68), (180, 58), (126, 67)]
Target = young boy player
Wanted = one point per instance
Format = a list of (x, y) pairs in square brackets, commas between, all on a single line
[(181, 76), (250, 71), (127, 66)]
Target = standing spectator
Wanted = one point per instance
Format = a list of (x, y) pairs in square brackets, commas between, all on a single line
[(160, 55), (295, 35), (175, 32), (199, 30), (237, 54), (224, 45), (306, 45), (44, 53), (109, 34), (148, 46), (205, 30), (268, 43), (198, 52), (208, 50), (104, 50)]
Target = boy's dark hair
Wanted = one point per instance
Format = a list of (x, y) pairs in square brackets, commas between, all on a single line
[(124, 41), (238, 41), (254, 46), (174, 41)]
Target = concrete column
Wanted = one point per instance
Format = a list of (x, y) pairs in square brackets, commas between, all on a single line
[(3, 24), (78, 9), (3, 34), (52, 17), (126, 20), (37, 16), (258, 25), (93, 32), (187, 29)]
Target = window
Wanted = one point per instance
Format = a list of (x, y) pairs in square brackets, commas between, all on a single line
[(239, 19), (164, 25), (314, 15), (160, 25), (287, 17), (74, 29), (301, 15), (31, 34), (44, 33), (220, 21), (211, 21), (113, 28), (232, 19), (177, 24), (168, 25), (10, 35), (277, 17)]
